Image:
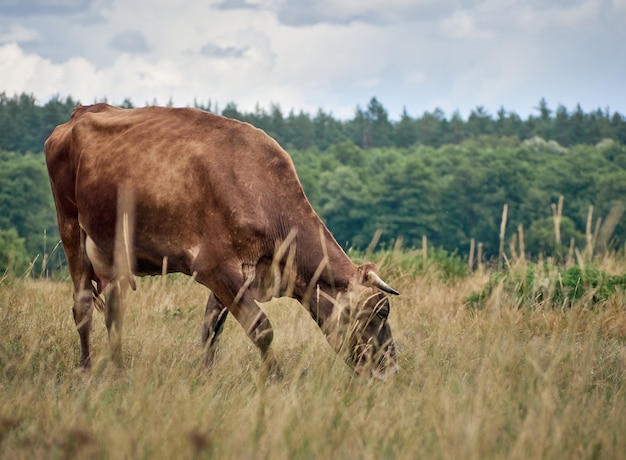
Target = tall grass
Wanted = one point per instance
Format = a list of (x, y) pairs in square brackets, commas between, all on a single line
[(500, 382)]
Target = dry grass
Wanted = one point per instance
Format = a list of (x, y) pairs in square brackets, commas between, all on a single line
[(495, 383)]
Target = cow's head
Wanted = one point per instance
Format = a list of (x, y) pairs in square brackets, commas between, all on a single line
[(363, 330)]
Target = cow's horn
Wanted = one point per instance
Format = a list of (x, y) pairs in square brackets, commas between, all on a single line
[(380, 284)]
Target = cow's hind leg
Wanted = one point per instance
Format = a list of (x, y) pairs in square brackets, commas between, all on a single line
[(214, 318), (114, 288), (82, 311), (113, 317), (82, 275)]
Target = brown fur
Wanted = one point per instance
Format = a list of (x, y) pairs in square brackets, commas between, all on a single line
[(215, 198)]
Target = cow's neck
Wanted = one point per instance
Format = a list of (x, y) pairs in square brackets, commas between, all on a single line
[(323, 261), (324, 272)]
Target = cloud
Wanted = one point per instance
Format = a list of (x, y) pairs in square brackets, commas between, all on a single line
[(21, 72), (130, 41), (213, 50), (308, 12), (461, 25), (334, 55), (381, 12), (235, 5), (17, 33), (28, 8)]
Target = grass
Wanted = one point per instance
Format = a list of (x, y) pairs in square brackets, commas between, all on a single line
[(497, 382)]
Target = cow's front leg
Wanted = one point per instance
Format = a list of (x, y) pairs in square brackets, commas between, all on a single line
[(259, 329), (212, 326), (261, 333), (227, 283), (231, 290)]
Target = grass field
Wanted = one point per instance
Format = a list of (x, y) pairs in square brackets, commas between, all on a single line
[(496, 382)]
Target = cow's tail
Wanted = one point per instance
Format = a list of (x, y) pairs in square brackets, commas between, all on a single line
[(91, 274), (97, 299)]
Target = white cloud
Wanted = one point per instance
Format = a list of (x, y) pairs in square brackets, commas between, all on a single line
[(21, 72), (17, 33), (309, 54), (224, 52), (461, 26), (131, 41)]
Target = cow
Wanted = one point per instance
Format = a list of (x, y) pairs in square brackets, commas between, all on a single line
[(156, 190)]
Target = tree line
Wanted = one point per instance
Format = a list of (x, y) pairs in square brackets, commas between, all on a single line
[(372, 126), (452, 193), (25, 124)]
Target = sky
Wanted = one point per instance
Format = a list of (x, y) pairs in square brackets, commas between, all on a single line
[(306, 55)]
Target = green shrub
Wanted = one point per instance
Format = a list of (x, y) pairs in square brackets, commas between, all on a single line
[(13, 254), (394, 262), (540, 239), (534, 284)]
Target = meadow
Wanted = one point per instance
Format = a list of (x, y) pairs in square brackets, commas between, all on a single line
[(507, 380)]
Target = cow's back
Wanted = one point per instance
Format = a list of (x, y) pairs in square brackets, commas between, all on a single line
[(194, 177)]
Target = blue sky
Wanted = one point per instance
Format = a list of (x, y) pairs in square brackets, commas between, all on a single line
[(308, 54)]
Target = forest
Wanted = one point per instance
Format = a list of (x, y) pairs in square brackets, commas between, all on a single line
[(455, 182)]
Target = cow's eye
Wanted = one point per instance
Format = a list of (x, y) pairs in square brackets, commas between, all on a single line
[(383, 312)]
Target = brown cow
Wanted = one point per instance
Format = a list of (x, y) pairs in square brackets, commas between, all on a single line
[(152, 190)]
